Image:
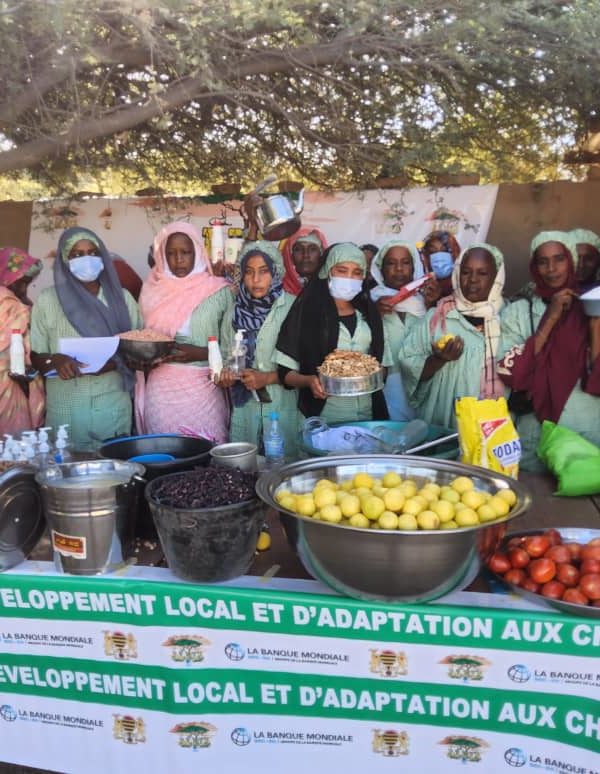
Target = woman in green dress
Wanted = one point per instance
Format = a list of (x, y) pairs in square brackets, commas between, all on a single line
[(86, 300), (332, 312), (260, 308), (434, 376)]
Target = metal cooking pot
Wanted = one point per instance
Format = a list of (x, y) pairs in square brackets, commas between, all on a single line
[(277, 216)]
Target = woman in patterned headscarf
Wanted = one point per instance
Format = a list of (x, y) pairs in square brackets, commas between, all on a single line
[(21, 401), (550, 350), (260, 308), (86, 300)]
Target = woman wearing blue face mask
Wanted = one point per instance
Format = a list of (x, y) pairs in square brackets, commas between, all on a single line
[(332, 312), (86, 300), (440, 251)]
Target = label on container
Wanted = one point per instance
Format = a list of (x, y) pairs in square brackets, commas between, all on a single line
[(69, 545)]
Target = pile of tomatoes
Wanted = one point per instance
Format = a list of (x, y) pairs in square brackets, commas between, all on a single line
[(547, 566)]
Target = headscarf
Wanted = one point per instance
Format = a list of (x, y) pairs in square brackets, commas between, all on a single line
[(413, 304), (166, 301), (310, 330), (16, 264), (292, 282), (556, 369), (583, 236), (446, 238), (488, 311), (250, 313)]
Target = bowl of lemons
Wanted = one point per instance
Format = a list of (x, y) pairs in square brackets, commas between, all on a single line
[(392, 528)]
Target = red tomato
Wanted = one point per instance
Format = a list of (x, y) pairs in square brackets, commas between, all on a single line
[(553, 589), (590, 585), (515, 575), (542, 570), (558, 554), (516, 541), (553, 536), (575, 549), (531, 585), (518, 557), (589, 565), (575, 597), (498, 563), (567, 574), (594, 542), (536, 545), (590, 552)]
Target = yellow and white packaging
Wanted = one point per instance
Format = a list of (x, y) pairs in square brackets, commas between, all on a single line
[(487, 435)]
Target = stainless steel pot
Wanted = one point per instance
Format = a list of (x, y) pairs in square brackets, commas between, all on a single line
[(277, 216)]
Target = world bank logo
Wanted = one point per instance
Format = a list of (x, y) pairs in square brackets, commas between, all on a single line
[(8, 713), (515, 757), (519, 673), (241, 737), (234, 652)]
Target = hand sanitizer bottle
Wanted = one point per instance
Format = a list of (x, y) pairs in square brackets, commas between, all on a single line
[(62, 453)]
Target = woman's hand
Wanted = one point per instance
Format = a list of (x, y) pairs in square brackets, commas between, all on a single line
[(452, 351), (431, 292), (256, 380), (186, 353), (249, 207), (560, 303), (67, 367), (315, 386), (384, 307), (226, 379)]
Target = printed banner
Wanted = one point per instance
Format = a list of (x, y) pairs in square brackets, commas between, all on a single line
[(112, 673)]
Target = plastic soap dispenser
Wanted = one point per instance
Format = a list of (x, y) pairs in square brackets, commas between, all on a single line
[(43, 456), (62, 453)]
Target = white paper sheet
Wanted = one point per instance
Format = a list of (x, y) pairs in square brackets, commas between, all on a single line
[(93, 351)]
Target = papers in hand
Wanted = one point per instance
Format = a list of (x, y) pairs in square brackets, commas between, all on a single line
[(94, 352)]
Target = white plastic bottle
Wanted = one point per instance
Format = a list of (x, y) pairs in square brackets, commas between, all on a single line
[(62, 453), (238, 352), (7, 454), (17, 352), (215, 360), (273, 442)]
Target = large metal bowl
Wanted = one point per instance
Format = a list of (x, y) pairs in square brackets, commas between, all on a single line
[(352, 386), (591, 303), (391, 566), (144, 351)]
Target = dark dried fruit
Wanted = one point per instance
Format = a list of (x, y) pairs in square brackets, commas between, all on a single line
[(209, 487)]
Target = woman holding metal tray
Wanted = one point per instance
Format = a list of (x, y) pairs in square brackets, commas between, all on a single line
[(332, 312)]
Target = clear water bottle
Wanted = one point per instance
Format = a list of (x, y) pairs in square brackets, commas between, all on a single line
[(273, 442), (412, 434)]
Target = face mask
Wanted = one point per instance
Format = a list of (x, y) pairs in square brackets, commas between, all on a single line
[(344, 288), (441, 264), (86, 268)]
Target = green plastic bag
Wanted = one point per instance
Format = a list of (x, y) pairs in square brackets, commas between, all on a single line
[(574, 461)]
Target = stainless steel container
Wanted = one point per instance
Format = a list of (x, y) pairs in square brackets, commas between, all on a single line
[(90, 508), (236, 455), (391, 566), (352, 386), (22, 520)]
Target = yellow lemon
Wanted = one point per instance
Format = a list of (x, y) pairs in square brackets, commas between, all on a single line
[(414, 506), (263, 542), (288, 502), (433, 487), (444, 510), (391, 479), (428, 495), (407, 521), (349, 505), (408, 488), (359, 520), (449, 524), (473, 499), (379, 490), (508, 495), (324, 496), (450, 495), (428, 520), (363, 480), (499, 504), (443, 340), (331, 513), (346, 486), (326, 482), (486, 513), (305, 505), (281, 494), (372, 507), (459, 506), (339, 496), (462, 484), (466, 518), (362, 491), (394, 500), (388, 520)]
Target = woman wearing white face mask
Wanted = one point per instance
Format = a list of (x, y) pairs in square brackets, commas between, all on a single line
[(86, 300), (333, 311)]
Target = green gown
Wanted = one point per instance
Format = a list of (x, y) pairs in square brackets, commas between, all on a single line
[(581, 412), (395, 330), (94, 407), (250, 421)]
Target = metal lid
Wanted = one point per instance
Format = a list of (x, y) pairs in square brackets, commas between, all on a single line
[(22, 519)]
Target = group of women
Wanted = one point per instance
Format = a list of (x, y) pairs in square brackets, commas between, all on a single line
[(295, 307)]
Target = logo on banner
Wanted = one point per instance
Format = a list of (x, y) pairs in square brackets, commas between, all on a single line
[(467, 749), (240, 737), (234, 651), (194, 734), (187, 647), (445, 219), (388, 663), (129, 729), (8, 713), (465, 667), (390, 743), (518, 673), (119, 645), (515, 757)]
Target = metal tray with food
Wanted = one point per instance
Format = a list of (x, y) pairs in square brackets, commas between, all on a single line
[(581, 536), (352, 386)]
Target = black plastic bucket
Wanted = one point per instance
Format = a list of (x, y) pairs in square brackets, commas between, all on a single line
[(187, 452)]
